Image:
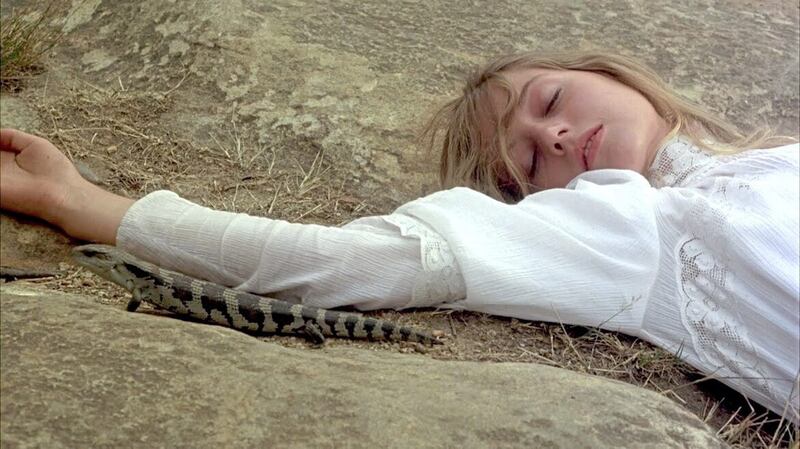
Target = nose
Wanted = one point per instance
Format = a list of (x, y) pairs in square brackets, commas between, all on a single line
[(553, 136)]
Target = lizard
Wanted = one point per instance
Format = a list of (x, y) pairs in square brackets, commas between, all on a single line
[(210, 302)]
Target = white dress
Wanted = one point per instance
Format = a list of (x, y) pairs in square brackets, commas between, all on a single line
[(701, 260)]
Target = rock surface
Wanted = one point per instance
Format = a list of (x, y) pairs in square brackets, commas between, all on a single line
[(79, 374), (31, 246), (357, 79), (354, 79)]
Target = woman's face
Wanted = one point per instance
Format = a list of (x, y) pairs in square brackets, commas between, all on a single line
[(570, 121)]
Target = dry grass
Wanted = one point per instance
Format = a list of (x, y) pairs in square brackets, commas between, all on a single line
[(23, 44), (120, 134)]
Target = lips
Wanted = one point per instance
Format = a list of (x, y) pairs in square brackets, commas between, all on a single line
[(589, 144)]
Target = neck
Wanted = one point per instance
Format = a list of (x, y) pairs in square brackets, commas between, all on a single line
[(664, 134)]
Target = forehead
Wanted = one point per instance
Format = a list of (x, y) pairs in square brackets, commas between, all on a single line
[(518, 77), (503, 96)]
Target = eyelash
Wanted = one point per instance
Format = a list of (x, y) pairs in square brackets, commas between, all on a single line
[(553, 100), (532, 171)]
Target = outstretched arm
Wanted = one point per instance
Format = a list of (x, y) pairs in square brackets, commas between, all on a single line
[(369, 264), (37, 179)]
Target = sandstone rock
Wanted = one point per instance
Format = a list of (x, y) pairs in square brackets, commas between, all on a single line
[(16, 113), (79, 374), (357, 79), (30, 245)]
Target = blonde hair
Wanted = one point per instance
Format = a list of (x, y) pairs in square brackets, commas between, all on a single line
[(471, 133)]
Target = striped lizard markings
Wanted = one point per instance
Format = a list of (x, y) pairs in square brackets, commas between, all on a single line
[(207, 301)]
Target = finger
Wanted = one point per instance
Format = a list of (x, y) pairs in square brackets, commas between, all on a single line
[(17, 141), (6, 158)]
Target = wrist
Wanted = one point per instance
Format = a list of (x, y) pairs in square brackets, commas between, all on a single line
[(91, 213)]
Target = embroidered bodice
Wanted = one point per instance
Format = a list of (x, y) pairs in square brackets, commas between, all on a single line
[(679, 161)]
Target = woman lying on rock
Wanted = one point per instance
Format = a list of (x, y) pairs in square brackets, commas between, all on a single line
[(579, 189)]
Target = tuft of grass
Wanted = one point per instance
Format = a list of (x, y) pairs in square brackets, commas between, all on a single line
[(237, 152), (23, 44)]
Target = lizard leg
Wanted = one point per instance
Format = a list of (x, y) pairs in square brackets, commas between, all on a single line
[(136, 299), (313, 332)]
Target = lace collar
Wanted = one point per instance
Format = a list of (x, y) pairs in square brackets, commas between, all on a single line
[(678, 162)]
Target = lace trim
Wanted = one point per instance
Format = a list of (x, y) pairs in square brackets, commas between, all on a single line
[(678, 162), (709, 313), (440, 280), (711, 316)]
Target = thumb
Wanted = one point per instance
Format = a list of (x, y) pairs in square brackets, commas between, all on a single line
[(15, 141)]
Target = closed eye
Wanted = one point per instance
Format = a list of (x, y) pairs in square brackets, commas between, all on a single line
[(532, 170), (553, 100)]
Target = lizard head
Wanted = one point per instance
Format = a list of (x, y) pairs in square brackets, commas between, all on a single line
[(109, 263)]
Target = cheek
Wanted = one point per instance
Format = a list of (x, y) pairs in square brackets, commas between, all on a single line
[(554, 174), (605, 102), (517, 157), (617, 103)]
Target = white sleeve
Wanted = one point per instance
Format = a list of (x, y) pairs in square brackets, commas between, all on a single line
[(587, 254), (375, 262), (584, 255)]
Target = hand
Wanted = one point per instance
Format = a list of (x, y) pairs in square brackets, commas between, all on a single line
[(37, 179)]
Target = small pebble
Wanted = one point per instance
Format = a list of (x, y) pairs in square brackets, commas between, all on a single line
[(88, 173)]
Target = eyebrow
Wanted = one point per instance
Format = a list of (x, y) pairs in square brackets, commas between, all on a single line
[(522, 93)]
